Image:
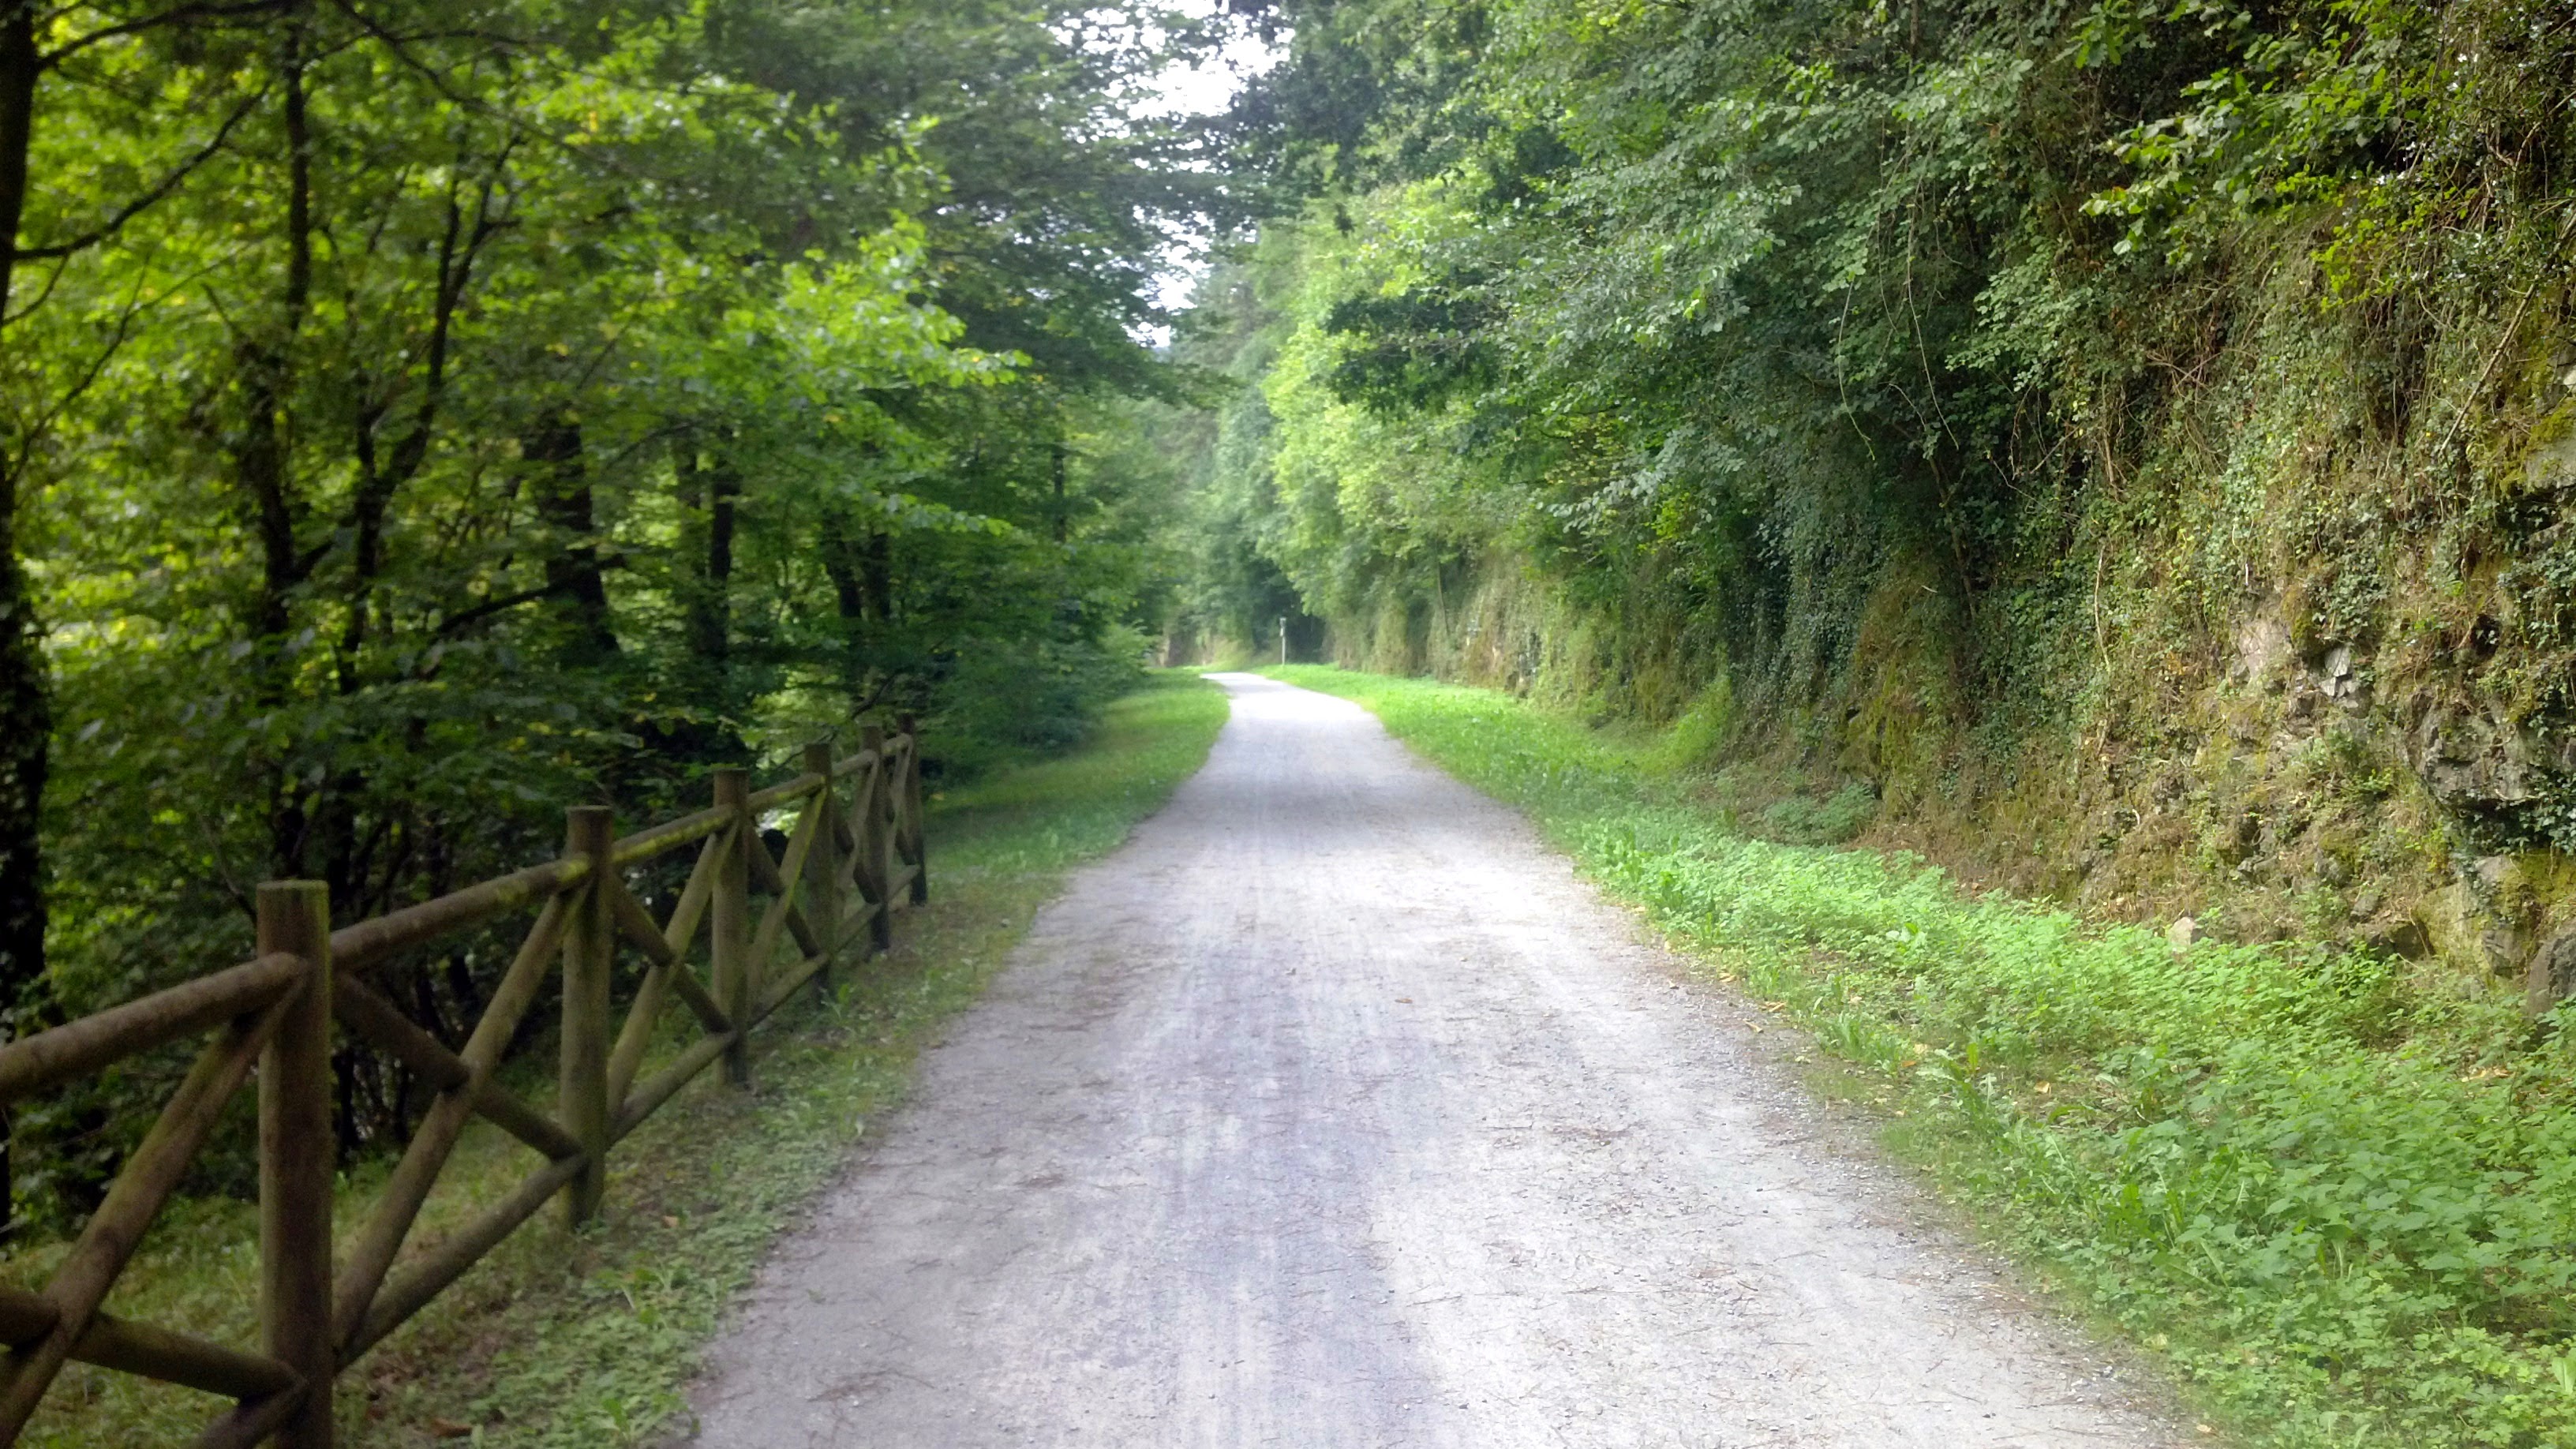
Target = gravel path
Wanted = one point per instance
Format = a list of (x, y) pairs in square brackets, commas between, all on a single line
[(1332, 1111)]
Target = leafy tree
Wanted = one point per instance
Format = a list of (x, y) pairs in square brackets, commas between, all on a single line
[(424, 416)]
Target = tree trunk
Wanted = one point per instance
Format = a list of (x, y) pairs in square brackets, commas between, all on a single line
[(1057, 511), (260, 463), (26, 712), (862, 575), (876, 576), (706, 487), (708, 493), (841, 565), (560, 478), (21, 63)]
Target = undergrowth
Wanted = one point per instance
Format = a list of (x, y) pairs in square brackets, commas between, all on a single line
[(585, 1340), (2343, 1208)]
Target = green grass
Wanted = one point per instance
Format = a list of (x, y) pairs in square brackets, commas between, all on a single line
[(2344, 1210), (587, 1339)]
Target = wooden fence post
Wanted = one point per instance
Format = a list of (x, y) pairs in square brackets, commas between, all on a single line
[(730, 928), (297, 1159), (908, 811), (876, 843), (823, 866), (589, 946)]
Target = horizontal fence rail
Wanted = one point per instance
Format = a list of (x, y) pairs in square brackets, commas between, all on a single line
[(853, 858)]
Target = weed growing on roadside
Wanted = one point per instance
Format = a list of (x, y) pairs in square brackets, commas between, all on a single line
[(2344, 1209)]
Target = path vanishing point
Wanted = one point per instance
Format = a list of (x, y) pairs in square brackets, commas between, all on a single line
[(1332, 1110)]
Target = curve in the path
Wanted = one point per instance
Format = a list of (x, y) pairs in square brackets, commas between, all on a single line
[(1333, 1111)]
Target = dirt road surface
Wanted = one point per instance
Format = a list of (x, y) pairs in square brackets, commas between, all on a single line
[(1332, 1111)]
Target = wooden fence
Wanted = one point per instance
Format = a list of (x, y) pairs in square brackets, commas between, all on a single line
[(855, 858)]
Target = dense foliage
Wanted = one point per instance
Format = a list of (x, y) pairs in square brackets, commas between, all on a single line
[(418, 417), (2128, 438)]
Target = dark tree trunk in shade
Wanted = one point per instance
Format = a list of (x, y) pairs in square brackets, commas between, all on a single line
[(841, 565), (709, 488), (559, 478), (26, 711), (258, 454), (877, 578), (861, 569), (1057, 510)]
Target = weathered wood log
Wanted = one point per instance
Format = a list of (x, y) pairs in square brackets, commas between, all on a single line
[(692, 907), (589, 949), (875, 848), (643, 845), (649, 1095), (731, 946), (823, 868), (850, 824), (646, 1009), (783, 880), (770, 876), (369, 1015), (914, 833), (693, 994), (785, 986), (252, 1423), (362, 946), (182, 1358), (77, 1048), (760, 802), (637, 927), (140, 1348), (444, 1264), (298, 1158), (99, 1254), (667, 948), (371, 1256), (276, 1012), (26, 1317)]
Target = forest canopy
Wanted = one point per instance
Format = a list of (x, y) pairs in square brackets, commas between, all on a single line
[(418, 417), (2065, 425), (2118, 456)]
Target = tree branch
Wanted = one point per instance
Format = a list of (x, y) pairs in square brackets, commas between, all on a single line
[(466, 618), (149, 199), (173, 16)]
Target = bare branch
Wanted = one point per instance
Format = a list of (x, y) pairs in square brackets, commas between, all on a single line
[(466, 618)]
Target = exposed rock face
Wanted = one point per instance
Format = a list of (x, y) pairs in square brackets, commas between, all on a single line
[(2505, 781), (2262, 642), (2553, 970), (2337, 678)]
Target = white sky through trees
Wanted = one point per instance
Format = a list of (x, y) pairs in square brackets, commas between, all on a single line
[(1204, 89)]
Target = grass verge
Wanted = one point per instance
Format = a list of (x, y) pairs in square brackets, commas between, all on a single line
[(2342, 1208), (587, 1338)]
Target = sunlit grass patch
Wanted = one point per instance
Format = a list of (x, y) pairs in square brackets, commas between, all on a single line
[(2344, 1210)]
